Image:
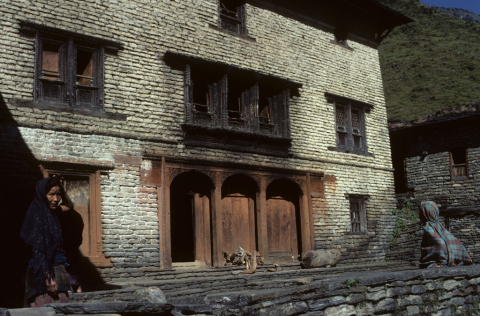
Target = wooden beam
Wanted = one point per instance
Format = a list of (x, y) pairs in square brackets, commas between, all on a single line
[(262, 230), (217, 222)]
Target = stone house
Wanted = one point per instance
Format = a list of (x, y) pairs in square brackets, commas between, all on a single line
[(437, 158), (185, 129)]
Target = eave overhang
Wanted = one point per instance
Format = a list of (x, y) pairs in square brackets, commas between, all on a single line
[(366, 21)]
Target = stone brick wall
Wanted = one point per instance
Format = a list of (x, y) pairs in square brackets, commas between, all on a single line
[(466, 229), (431, 179), (428, 176), (448, 291), (140, 86), (415, 292)]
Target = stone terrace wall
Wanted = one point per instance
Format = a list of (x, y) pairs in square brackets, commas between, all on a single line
[(448, 291), (139, 85), (467, 229)]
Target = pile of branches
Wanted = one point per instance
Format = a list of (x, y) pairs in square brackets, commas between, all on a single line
[(242, 257)]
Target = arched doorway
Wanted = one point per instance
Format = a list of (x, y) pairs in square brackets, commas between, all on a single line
[(283, 221), (190, 224), (238, 213)]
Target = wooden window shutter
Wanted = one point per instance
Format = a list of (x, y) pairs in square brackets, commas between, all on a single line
[(245, 107), (50, 81), (286, 112), (100, 75), (38, 67), (276, 114), (188, 95), (363, 217), (222, 93), (254, 95), (70, 78)]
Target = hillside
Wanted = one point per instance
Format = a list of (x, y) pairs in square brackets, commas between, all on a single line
[(463, 14), (430, 64)]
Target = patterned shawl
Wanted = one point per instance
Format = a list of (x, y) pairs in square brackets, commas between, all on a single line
[(41, 231), (439, 246)]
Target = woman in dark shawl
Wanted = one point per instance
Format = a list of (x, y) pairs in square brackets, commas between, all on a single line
[(46, 278), (439, 247)]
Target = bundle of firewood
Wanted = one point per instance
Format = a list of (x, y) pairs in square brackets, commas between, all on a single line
[(245, 258)]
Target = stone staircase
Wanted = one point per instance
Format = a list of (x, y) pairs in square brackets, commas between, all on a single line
[(181, 286)]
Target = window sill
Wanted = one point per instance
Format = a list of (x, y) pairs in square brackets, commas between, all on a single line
[(246, 37), (355, 152), (236, 140), (65, 109)]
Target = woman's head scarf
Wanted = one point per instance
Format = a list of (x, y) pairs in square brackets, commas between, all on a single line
[(439, 246), (41, 231)]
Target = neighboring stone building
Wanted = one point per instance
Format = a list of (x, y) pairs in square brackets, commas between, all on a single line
[(184, 129), (438, 159)]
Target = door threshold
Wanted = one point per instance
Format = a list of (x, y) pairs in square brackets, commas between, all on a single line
[(188, 265)]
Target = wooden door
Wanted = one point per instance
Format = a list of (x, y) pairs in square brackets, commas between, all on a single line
[(202, 240), (238, 223), (281, 230), (78, 189)]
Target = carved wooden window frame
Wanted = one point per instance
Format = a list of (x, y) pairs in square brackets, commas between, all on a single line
[(70, 93), (358, 214), (97, 256), (350, 124), (232, 21), (247, 119), (456, 168)]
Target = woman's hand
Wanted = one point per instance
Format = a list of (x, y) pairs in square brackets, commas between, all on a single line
[(52, 287)]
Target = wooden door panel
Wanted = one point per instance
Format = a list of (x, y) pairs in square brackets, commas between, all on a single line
[(202, 229), (236, 224), (281, 228), (78, 189)]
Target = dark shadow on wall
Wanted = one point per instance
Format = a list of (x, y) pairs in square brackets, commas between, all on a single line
[(20, 171)]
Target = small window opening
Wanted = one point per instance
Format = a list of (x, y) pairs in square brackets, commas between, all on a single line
[(340, 34), (458, 164), (268, 95), (234, 99), (358, 218), (51, 61), (264, 110), (85, 68), (201, 96), (231, 16), (229, 8)]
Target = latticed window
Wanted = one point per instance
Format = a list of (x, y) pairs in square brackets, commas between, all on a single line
[(342, 134), (358, 218), (349, 124), (232, 16), (458, 164)]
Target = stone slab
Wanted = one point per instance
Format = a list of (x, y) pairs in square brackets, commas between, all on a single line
[(111, 308), (40, 311)]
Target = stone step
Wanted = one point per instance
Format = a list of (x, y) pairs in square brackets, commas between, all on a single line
[(203, 285)]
